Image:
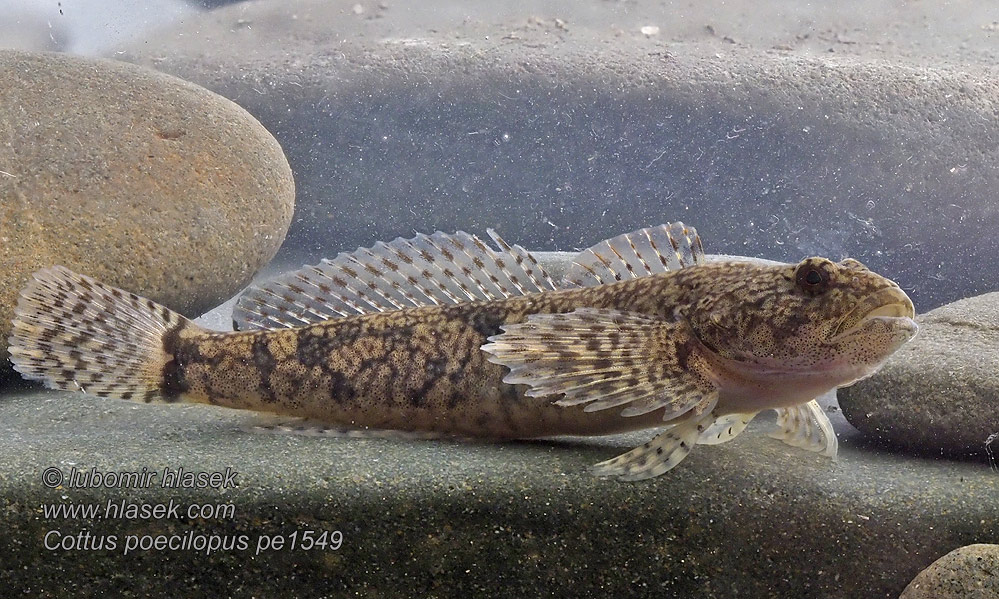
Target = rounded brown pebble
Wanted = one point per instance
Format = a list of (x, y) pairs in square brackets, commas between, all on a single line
[(970, 572), (136, 178)]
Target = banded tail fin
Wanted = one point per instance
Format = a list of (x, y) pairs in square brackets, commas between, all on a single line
[(74, 333)]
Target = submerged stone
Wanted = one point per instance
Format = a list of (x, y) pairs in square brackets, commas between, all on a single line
[(940, 392), (561, 126), (134, 177), (970, 572)]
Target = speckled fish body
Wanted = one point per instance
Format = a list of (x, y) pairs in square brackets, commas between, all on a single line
[(700, 348), (415, 369)]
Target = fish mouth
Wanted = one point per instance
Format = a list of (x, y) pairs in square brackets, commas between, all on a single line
[(890, 305)]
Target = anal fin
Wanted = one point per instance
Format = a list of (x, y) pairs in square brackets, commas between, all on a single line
[(304, 427)]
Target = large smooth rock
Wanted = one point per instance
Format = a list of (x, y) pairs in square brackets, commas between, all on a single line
[(561, 123), (970, 572), (134, 177), (940, 392)]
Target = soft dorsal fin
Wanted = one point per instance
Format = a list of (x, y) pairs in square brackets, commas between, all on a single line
[(426, 270), (637, 254)]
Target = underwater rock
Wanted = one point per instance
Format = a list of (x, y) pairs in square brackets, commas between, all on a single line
[(134, 177), (940, 392), (970, 572), (562, 131)]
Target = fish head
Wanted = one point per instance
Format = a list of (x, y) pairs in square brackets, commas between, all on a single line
[(838, 320)]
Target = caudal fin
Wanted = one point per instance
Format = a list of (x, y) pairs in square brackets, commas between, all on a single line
[(72, 332)]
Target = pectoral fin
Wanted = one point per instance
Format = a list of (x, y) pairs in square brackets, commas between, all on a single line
[(603, 359), (808, 427)]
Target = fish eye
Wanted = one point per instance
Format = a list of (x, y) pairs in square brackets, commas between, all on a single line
[(812, 276)]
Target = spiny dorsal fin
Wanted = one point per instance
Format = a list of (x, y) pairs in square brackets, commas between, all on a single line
[(427, 270), (637, 254), (605, 359), (807, 426)]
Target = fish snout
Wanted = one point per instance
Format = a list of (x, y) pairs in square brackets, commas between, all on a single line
[(890, 305)]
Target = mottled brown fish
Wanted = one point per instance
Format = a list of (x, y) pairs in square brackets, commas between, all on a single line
[(443, 334)]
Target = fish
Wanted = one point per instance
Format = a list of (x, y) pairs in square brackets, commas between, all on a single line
[(445, 335)]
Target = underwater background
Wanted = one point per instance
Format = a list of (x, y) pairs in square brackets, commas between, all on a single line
[(182, 150)]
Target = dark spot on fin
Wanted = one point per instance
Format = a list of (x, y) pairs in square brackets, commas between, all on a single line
[(725, 428)]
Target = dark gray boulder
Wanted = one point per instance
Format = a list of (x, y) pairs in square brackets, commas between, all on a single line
[(561, 133)]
